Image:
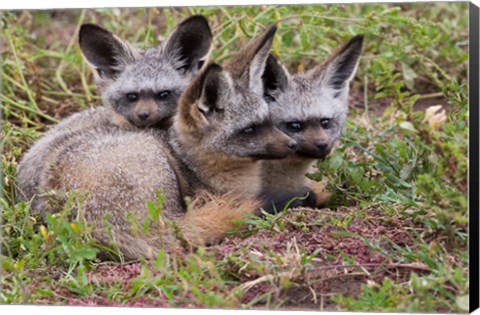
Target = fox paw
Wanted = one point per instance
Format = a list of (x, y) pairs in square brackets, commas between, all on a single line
[(322, 196)]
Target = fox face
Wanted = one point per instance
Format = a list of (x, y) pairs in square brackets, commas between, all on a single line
[(143, 86), (312, 107), (224, 111)]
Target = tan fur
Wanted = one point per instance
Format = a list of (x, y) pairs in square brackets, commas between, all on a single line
[(210, 217), (283, 176), (224, 174), (119, 120), (147, 106), (319, 189), (115, 171)]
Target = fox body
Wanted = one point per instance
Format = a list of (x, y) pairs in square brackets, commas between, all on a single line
[(220, 132), (140, 88), (311, 108)]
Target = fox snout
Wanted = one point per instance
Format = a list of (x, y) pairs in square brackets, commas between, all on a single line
[(280, 145), (147, 113), (292, 145), (323, 148), (316, 148), (313, 143), (143, 115)]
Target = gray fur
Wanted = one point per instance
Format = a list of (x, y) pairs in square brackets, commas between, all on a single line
[(308, 99), (117, 169), (122, 69)]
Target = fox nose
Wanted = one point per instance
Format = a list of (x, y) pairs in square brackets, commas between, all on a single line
[(292, 145), (143, 115), (322, 145)]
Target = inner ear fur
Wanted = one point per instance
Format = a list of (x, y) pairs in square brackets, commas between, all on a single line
[(340, 67), (189, 44), (202, 96), (104, 51), (274, 78), (248, 66)]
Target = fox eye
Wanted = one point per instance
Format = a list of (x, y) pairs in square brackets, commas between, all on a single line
[(162, 95), (249, 131), (325, 122), (295, 126), (132, 97)]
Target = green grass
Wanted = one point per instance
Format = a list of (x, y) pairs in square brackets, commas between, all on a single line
[(394, 237)]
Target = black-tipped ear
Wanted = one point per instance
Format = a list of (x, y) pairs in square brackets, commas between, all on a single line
[(341, 66), (248, 65), (257, 66), (215, 85), (189, 44), (104, 51), (274, 78), (205, 91)]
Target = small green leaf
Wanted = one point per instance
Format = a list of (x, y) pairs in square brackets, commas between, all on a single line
[(83, 253), (407, 126), (409, 76), (336, 161), (152, 209)]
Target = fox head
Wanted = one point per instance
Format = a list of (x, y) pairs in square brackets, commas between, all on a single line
[(144, 86), (224, 111), (312, 107)]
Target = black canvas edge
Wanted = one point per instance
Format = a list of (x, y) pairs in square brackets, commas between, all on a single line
[(474, 157)]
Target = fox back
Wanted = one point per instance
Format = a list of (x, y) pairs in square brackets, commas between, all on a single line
[(140, 88)]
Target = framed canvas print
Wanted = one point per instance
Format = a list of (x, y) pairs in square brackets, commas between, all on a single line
[(272, 156)]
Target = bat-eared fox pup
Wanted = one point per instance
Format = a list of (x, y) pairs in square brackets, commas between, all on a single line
[(140, 88), (311, 108), (221, 131)]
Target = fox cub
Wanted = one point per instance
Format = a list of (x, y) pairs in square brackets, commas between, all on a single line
[(311, 108), (140, 88), (219, 135)]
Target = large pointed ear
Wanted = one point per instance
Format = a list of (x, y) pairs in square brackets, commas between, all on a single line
[(105, 52), (275, 78), (337, 71), (189, 45), (203, 97), (249, 64)]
